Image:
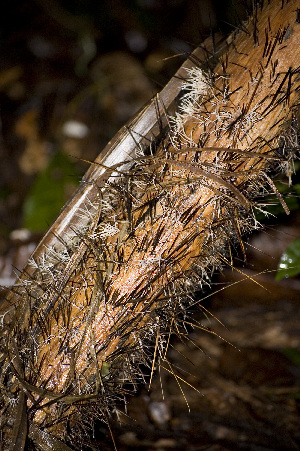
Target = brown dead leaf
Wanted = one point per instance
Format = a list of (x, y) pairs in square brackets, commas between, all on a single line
[(10, 76), (35, 157)]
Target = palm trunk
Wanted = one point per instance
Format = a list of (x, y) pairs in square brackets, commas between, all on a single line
[(116, 270)]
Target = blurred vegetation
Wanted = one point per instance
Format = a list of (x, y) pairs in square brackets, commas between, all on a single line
[(289, 264), (48, 193)]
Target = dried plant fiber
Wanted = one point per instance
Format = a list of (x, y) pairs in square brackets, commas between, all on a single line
[(156, 214)]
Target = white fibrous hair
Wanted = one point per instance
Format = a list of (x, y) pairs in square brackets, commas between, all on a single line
[(79, 329)]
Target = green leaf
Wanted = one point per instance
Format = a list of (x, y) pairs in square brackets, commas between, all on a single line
[(297, 188), (289, 264), (49, 193), (293, 354)]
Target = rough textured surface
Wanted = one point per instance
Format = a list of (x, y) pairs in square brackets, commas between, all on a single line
[(80, 328)]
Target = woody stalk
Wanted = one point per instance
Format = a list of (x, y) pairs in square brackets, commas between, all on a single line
[(79, 321)]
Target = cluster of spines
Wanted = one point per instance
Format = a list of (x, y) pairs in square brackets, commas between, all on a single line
[(136, 217)]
